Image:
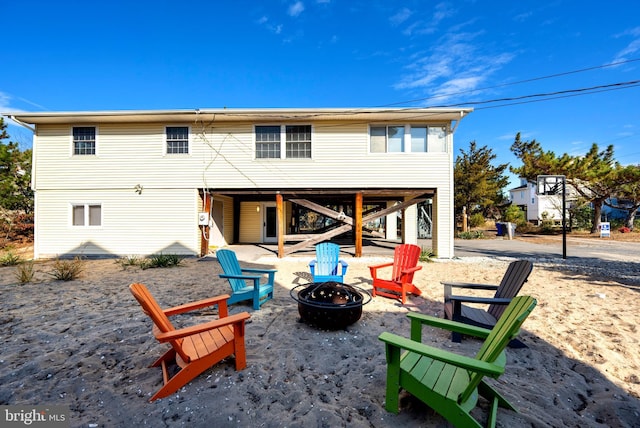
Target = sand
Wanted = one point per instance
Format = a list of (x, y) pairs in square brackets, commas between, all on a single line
[(86, 344)]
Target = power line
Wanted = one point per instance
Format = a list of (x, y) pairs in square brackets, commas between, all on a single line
[(533, 79)]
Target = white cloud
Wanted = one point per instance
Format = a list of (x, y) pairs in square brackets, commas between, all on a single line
[(632, 47), (400, 17), (457, 64), (296, 9)]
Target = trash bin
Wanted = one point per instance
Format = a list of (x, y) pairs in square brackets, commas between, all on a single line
[(511, 230), (500, 228)]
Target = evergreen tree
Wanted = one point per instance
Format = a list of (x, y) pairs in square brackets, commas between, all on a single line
[(478, 183)]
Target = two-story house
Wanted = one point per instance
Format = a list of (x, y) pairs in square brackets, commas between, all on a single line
[(182, 181), (536, 207)]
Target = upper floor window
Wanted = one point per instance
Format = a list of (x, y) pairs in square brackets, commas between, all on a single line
[(270, 139), (407, 138), (298, 141), (86, 215), (84, 140), (268, 142), (177, 140)]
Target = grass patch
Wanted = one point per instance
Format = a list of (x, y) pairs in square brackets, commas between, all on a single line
[(161, 261), (426, 254), (67, 270), (10, 259), (471, 234), (125, 262), (25, 272)]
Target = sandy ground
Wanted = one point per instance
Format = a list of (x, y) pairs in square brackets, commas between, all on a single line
[(86, 344)]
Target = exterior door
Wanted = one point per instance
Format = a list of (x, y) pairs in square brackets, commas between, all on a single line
[(270, 223)]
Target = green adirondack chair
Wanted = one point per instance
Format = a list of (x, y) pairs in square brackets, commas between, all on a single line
[(450, 383)]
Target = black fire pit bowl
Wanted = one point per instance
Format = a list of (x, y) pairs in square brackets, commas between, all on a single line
[(330, 305)]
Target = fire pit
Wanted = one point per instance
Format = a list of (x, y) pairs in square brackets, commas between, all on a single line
[(330, 305)]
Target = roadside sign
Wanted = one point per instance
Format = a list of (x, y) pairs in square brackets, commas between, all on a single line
[(605, 229)]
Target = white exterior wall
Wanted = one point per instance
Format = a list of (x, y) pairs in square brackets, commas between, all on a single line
[(155, 221), (221, 157)]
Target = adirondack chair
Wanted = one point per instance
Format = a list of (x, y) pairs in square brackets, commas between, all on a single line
[(400, 282), (241, 290), (514, 278), (197, 348), (447, 382), (325, 266)]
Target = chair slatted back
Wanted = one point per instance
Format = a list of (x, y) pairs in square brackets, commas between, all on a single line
[(404, 256), (505, 329), (327, 259), (514, 278), (230, 265), (154, 311)]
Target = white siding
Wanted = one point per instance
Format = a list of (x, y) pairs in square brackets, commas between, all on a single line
[(156, 221), (250, 223), (221, 156)]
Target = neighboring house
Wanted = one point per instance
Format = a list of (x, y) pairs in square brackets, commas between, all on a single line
[(182, 181), (536, 207)]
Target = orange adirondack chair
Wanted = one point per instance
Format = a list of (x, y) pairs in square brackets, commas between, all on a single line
[(405, 264), (197, 348)]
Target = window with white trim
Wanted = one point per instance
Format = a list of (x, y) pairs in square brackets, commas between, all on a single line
[(407, 138), (177, 140), (84, 140), (86, 215), (267, 142), (272, 141)]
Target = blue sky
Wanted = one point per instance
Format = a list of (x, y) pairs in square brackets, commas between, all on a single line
[(123, 55)]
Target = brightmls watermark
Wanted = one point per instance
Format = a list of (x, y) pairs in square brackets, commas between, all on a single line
[(34, 416)]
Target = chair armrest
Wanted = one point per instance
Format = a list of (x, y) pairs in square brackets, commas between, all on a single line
[(474, 299), (418, 320), (200, 328), (212, 301), (470, 285), (410, 270), (251, 277), (468, 363), (252, 270), (381, 266), (345, 265)]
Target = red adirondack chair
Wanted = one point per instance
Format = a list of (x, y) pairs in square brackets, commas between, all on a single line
[(196, 348), (405, 264)]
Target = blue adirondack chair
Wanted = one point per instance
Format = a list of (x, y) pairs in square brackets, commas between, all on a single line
[(245, 282), (325, 267)]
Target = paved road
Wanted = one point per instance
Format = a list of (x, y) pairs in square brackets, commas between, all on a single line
[(591, 248)]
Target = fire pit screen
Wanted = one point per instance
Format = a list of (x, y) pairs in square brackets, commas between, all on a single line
[(330, 305)]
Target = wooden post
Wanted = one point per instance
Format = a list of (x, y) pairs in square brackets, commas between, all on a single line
[(357, 233), (205, 230), (464, 219), (281, 226)]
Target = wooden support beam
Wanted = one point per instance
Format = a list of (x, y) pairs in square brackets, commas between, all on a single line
[(357, 233), (281, 226), (327, 212), (205, 230)]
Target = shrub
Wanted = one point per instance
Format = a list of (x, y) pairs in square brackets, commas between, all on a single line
[(476, 220), (67, 270), (10, 259), (124, 262), (426, 254), (472, 234), (514, 214), (161, 261), (25, 272)]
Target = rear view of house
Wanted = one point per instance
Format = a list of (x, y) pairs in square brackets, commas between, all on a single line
[(143, 182)]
